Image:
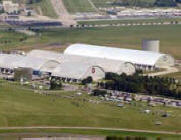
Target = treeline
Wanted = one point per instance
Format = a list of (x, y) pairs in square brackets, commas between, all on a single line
[(125, 138), (147, 3), (137, 83), (129, 138), (33, 1)]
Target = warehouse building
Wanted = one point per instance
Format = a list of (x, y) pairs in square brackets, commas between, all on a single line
[(8, 62), (146, 60), (107, 65), (77, 71), (19, 65)]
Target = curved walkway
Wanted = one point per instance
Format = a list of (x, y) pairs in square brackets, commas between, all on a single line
[(167, 71)]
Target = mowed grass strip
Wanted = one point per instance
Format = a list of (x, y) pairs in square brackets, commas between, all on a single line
[(22, 107), (103, 3), (16, 134), (130, 21), (121, 37), (74, 6), (110, 3), (47, 9), (11, 39)]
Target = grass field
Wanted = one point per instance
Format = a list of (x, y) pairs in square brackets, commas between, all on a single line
[(21, 107), (15, 134), (106, 3), (131, 3), (74, 6), (47, 8), (124, 37), (130, 21), (103, 3), (44, 5), (9, 39)]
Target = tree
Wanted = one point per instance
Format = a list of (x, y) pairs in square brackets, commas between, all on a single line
[(87, 80), (142, 84), (179, 1), (55, 84), (97, 92), (165, 3)]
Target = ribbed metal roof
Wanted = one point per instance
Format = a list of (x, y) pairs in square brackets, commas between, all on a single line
[(14, 61), (127, 55), (108, 65), (77, 70)]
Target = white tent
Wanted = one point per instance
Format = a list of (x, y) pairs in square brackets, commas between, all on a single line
[(78, 71), (11, 61), (106, 64), (128, 55)]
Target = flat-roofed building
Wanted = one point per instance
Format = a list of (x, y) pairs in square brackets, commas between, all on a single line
[(10, 7)]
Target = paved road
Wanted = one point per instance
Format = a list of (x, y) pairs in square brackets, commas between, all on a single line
[(92, 128), (167, 71)]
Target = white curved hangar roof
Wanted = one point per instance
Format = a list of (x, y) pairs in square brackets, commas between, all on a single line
[(127, 55), (12, 61), (78, 71), (43, 54), (106, 64)]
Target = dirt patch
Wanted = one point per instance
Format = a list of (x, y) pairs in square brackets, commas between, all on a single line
[(52, 47), (62, 12)]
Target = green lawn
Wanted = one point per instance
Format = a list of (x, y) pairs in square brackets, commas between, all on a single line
[(74, 6), (130, 3), (123, 37), (47, 8), (130, 21), (10, 39), (58, 132), (22, 107), (103, 3)]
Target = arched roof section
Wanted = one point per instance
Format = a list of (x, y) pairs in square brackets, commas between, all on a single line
[(49, 66), (106, 64), (44, 54), (127, 55), (9, 61), (13, 61), (75, 70)]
